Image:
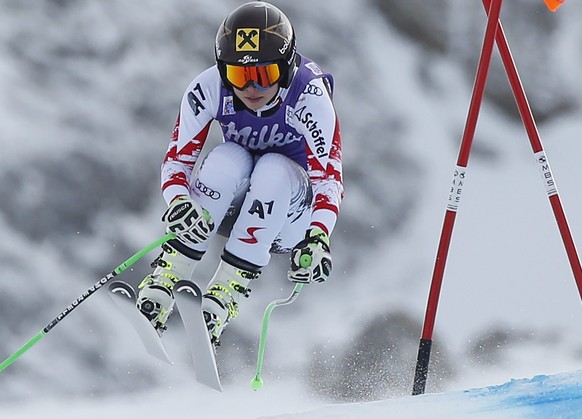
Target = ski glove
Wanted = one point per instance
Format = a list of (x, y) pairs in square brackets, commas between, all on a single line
[(311, 258), (188, 220)]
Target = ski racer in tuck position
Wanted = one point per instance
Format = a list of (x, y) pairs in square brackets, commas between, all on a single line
[(274, 185)]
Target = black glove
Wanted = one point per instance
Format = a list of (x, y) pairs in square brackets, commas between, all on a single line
[(188, 220), (311, 258)]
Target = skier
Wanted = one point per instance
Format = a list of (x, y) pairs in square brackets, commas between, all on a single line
[(274, 185)]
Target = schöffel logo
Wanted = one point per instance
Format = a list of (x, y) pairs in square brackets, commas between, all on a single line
[(247, 39), (306, 118)]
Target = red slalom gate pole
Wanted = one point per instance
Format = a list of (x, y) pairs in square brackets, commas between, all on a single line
[(425, 345), (538, 149)]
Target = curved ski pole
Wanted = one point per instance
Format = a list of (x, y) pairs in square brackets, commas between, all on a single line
[(138, 255), (257, 381)]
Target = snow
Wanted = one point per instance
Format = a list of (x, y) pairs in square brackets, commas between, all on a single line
[(540, 397), (507, 274)]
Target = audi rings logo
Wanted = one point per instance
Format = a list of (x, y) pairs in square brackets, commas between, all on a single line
[(312, 89), (211, 193)]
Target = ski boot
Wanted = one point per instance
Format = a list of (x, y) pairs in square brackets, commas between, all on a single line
[(156, 299), (221, 301)]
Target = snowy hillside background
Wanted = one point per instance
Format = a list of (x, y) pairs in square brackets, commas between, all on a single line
[(90, 92)]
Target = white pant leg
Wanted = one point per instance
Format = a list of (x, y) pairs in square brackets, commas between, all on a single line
[(276, 210), (224, 171)]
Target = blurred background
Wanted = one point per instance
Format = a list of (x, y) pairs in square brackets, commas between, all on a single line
[(90, 93)]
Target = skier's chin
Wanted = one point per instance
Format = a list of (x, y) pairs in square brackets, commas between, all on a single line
[(255, 103), (254, 98)]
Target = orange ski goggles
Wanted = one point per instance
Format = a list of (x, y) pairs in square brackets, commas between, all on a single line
[(261, 76)]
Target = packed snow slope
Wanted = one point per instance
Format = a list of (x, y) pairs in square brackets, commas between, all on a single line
[(540, 397)]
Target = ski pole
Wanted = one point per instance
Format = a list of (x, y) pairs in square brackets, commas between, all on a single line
[(257, 381), (138, 255)]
